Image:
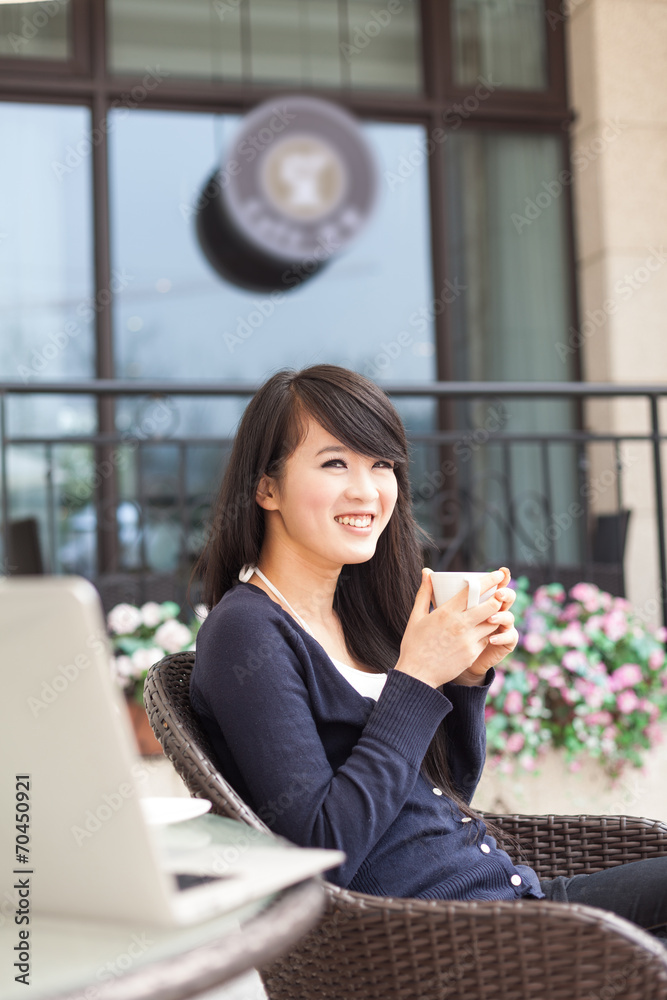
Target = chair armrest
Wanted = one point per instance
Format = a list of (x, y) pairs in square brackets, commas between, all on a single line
[(570, 845), (374, 947)]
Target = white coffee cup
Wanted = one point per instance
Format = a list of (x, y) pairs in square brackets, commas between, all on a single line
[(445, 585)]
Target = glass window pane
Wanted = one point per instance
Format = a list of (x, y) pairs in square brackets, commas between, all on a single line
[(371, 309), (501, 39), (199, 39), (295, 41), (47, 304), (384, 47), (309, 43), (513, 314), (46, 253), (36, 30)]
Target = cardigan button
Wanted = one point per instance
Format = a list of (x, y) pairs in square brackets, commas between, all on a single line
[(437, 791), (516, 880), (485, 848), (466, 819)]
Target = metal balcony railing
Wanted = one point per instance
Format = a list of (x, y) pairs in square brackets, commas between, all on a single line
[(489, 490)]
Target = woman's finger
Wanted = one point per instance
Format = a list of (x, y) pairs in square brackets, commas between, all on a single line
[(502, 618), (508, 637), (507, 596)]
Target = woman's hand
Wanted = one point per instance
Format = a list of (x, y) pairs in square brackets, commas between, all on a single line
[(499, 643), (445, 644)]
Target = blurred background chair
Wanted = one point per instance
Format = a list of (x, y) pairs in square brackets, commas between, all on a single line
[(377, 948)]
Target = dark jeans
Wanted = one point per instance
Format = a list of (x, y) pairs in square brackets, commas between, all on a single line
[(636, 891)]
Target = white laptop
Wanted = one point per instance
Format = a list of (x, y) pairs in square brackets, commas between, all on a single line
[(67, 754)]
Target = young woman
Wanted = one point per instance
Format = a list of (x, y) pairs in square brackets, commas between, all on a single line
[(342, 709)]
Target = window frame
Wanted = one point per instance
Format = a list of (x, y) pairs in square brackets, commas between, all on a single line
[(85, 80)]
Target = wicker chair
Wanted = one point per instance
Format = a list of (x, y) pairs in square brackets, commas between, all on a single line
[(377, 948)]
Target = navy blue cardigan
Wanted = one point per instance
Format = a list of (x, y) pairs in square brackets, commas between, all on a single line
[(326, 767)]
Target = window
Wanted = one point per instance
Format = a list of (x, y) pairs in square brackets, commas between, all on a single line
[(115, 123)]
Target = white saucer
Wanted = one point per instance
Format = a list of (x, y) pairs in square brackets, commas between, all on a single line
[(162, 809)]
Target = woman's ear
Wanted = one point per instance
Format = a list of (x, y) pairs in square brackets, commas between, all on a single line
[(266, 493)]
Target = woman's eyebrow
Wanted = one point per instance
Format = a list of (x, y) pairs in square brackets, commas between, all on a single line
[(332, 447)]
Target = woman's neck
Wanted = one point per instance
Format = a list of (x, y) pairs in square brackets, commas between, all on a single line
[(309, 589)]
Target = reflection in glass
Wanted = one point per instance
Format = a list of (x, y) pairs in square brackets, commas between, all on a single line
[(384, 47), (302, 43), (507, 326), (503, 40), (47, 307), (370, 309), (36, 30)]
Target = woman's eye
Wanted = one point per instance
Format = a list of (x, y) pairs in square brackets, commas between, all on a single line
[(333, 461), (389, 465)]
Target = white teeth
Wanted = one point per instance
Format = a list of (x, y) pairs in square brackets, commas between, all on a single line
[(357, 522)]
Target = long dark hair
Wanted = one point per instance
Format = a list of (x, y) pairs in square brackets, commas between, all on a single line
[(374, 599)]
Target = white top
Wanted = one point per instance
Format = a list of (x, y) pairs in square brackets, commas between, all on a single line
[(368, 685)]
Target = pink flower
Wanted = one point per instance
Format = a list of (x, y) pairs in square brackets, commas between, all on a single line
[(584, 591), (575, 765), (656, 659), (598, 719), (515, 742), (615, 624), (626, 676), (569, 613), (533, 642), (489, 712), (654, 734), (661, 633), (590, 692), (513, 703), (627, 701), (569, 696), (574, 660), (533, 680), (573, 635), (549, 671), (527, 762), (497, 684)]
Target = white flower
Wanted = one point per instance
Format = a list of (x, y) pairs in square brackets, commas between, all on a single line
[(201, 611), (124, 618), (173, 636), (142, 659), (151, 614)]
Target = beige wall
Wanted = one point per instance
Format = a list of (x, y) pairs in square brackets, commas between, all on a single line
[(617, 52)]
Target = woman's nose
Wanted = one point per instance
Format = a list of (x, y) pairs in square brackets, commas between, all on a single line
[(362, 487)]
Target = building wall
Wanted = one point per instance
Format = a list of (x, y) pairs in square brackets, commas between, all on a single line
[(617, 57)]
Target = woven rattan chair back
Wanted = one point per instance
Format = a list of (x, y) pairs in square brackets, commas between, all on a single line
[(376, 948)]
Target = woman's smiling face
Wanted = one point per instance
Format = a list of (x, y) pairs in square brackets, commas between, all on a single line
[(331, 503)]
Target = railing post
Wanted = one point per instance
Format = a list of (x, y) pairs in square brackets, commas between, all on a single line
[(659, 505), (4, 567)]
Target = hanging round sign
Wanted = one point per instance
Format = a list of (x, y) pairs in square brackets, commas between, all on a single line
[(297, 184)]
